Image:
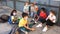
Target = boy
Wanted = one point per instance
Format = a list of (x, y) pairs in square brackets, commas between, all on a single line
[(23, 24), (42, 17)]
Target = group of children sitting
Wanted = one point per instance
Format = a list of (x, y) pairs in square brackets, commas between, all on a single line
[(23, 23), (43, 17)]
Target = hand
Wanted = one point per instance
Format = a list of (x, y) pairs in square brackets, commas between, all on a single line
[(13, 22), (32, 29)]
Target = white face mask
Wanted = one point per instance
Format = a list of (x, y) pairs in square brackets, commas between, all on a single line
[(14, 13)]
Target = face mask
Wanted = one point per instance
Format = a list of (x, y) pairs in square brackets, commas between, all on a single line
[(14, 13)]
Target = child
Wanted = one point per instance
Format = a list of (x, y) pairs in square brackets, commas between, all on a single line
[(13, 20), (26, 8), (14, 16), (50, 20), (35, 13), (23, 24), (32, 10), (42, 17), (36, 7)]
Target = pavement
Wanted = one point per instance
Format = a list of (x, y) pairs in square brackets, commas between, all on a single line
[(5, 27)]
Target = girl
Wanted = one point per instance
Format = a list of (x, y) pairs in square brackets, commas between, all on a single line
[(50, 20), (13, 21), (26, 8), (14, 16)]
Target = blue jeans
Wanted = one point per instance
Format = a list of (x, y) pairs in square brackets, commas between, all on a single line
[(31, 14)]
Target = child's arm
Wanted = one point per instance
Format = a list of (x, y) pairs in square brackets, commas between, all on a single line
[(54, 20), (29, 28), (12, 18), (38, 17), (47, 18)]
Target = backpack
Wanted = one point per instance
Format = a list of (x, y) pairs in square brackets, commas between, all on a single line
[(4, 18), (10, 21)]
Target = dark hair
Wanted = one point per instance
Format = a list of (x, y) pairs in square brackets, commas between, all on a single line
[(26, 2), (53, 12), (43, 9), (24, 14), (13, 12), (32, 4)]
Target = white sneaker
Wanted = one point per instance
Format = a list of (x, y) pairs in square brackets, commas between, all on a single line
[(33, 19), (35, 22), (45, 29), (40, 25), (26, 32)]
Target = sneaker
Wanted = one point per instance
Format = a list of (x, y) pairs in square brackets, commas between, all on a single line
[(40, 25), (35, 22), (26, 32), (32, 20), (45, 29)]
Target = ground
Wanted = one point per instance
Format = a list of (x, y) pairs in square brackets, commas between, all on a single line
[(6, 27)]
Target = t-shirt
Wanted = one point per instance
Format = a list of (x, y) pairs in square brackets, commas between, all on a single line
[(52, 18), (26, 8), (32, 8), (22, 22), (43, 15)]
